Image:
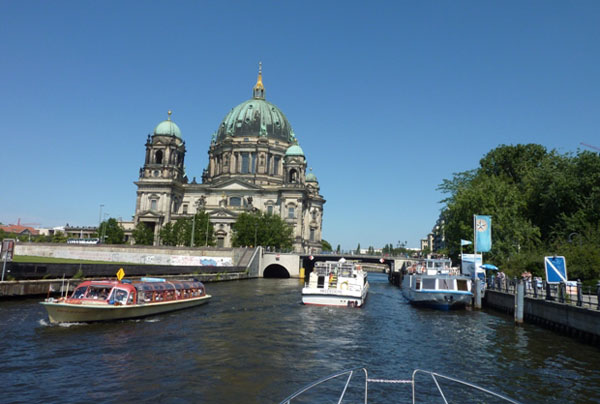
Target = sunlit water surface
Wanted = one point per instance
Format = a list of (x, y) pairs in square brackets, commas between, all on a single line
[(256, 343)]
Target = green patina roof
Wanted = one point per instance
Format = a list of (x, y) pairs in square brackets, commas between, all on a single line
[(167, 128), (255, 118), (294, 150), (310, 177)]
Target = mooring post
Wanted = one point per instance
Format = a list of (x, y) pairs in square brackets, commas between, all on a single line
[(519, 301), (477, 294), (579, 293)]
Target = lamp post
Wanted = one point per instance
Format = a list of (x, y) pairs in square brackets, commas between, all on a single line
[(207, 223), (574, 234), (100, 220), (193, 229)]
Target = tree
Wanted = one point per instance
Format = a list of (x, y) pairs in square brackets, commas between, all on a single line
[(258, 228), (179, 233), (338, 249), (357, 251), (143, 234), (325, 246), (59, 237), (111, 232)]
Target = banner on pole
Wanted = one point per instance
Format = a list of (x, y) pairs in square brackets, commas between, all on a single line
[(483, 233)]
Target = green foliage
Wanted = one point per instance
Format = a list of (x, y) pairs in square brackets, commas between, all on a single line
[(536, 198), (179, 233), (59, 237), (143, 234), (338, 248), (258, 228), (357, 251), (111, 232), (325, 246)]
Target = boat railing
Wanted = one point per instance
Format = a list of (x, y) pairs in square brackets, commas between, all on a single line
[(442, 386)]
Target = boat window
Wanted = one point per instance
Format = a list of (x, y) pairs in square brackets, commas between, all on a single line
[(446, 284), (418, 284), (429, 283), (462, 284), (98, 292), (119, 296), (79, 292)]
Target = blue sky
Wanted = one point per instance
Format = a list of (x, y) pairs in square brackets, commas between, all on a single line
[(386, 98)]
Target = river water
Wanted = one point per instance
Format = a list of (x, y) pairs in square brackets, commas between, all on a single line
[(256, 343)]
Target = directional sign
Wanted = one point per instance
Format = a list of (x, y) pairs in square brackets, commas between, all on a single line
[(120, 274), (556, 269)]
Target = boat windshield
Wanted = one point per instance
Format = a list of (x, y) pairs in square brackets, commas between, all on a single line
[(98, 292), (119, 296), (79, 292)]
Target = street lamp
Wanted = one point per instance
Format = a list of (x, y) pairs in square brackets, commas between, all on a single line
[(100, 219), (574, 234)]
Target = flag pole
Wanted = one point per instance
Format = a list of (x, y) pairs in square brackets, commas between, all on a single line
[(474, 274)]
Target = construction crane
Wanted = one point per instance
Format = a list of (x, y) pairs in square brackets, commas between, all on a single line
[(26, 224), (590, 146)]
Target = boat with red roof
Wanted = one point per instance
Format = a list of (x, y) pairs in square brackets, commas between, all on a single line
[(105, 300)]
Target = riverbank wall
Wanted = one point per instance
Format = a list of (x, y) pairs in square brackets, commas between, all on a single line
[(40, 278), (580, 322)]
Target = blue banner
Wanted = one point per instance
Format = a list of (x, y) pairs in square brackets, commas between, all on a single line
[(483, 233), (465, 242)]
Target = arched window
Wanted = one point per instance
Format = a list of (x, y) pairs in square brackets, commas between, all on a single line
[(293, 176), (158, 157)]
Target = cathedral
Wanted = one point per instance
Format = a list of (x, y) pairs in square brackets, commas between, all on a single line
[(254, 163)]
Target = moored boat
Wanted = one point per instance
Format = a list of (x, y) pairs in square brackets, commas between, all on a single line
[(104, 300), (434, 283), (336, 283)]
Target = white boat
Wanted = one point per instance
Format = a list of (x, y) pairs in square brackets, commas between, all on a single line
[(115, 300), (341, 387), (336, 283), (434, 283)]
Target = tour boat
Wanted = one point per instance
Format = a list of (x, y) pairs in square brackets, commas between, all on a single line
[(434, 283), (105, 300), (353, 386), (336, 283)]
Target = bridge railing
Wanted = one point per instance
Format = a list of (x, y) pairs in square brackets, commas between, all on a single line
[(574, 293)]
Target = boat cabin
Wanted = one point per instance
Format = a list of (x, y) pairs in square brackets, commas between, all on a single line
[(137, 292), (440, 283)]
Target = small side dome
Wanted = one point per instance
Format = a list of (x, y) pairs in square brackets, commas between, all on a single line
[(168, 128), (294, 150), (310, 177)]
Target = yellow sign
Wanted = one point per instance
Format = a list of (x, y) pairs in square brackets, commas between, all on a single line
[(120, 274)]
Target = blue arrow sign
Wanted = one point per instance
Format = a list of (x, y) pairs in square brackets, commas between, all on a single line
[(556, 269)]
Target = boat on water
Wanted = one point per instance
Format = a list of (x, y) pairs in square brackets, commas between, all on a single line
[(105, 300), (336, 283), (353, 386), (434, 283)]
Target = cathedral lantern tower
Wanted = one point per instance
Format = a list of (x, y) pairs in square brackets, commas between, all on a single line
[(162, 176)]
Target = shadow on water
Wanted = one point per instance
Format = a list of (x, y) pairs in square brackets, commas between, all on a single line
[(256, 343)]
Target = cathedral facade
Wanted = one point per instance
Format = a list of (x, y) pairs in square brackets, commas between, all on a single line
[(254, 163)]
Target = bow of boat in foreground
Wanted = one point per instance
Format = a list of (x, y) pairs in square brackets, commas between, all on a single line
[(353, 386)]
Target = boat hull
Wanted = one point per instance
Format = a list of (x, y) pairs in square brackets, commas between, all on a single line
[(334, 297), (438, 300), (59, 312)]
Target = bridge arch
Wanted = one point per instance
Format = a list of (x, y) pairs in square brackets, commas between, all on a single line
[(276, 271)]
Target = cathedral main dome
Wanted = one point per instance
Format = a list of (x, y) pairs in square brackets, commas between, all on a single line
[(256, 118)]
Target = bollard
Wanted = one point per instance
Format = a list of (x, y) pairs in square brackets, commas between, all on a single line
[(579, 293), (477, 293), (535, 289), (519, 301), (598, 294)]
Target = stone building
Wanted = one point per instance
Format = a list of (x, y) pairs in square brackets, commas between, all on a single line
[(254, 163)]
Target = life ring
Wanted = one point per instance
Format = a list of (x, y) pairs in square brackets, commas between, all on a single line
[(344, 285)]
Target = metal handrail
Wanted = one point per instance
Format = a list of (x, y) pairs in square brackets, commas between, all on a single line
[(435, 377)]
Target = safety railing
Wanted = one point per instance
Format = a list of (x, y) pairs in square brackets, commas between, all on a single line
[(574, 293)]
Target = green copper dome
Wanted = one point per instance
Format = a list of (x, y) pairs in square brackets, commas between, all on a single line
[(168, 128), (255, 118), (310, 177), (294, 150)]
